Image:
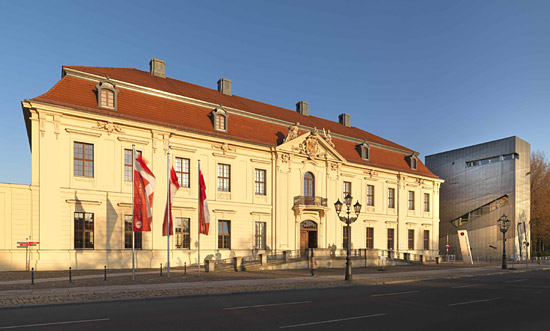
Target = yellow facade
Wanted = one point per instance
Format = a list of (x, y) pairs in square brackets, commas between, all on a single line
[(44, 211)]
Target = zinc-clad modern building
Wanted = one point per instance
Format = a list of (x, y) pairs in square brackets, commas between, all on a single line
[(272, 175), (483, 182)]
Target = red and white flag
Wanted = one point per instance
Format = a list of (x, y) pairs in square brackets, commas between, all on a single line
[(174, 186), (204, 213), (144, 189)]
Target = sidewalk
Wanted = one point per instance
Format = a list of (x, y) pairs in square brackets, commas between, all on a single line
[(28, 297)]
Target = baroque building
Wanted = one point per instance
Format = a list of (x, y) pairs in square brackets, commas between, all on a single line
[(272, 175)]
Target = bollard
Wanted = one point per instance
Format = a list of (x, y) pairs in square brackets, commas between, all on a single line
[(70, 276), (185, 268), (32, 276), (105, 273), (161, 270)]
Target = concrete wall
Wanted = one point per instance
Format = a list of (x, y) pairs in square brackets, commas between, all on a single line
[(469, 187)]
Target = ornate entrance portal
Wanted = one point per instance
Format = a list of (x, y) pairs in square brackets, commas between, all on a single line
[(308, 236)]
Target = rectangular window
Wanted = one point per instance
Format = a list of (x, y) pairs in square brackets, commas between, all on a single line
[(224, 234), (426, 202), (347, 189), (128, 164), (259, 181), (345, 235), (224, 177), (260, 235), (411, 239), (370, 238), (220, 122), (426, 239), (107, 98), (391, 233), (391, 198), (83, 230), (181, 167), (411, 200), (128, 229), (83, 159), (370, 195), (183, 239)]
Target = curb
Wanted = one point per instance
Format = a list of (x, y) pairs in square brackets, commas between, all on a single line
[(344, 285)]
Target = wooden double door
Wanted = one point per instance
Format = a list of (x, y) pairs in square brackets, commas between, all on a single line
[(308, 236)]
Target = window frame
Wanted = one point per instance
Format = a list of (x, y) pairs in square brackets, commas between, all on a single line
[(410, 239), (411, 199), (183, 239), (345, 235), (83, 160), (426, 240), (370, 195), (260, 185), (138, 235), (390, 239), (224, 177), (369, 243), (224, 239), (217, 115), (82, 229), (260, 235), (365, 151), (130, 165), (309, 185), (347, 189), (391, 198), (426, 202), (107, 86), (180, 173)]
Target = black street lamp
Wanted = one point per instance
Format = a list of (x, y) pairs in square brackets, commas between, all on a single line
[(348, 220), (504, 225)]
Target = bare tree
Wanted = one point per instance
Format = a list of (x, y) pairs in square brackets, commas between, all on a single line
[(540, 201)]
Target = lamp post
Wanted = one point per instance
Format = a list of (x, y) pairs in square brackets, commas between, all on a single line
[(504, 225), (348, 220)]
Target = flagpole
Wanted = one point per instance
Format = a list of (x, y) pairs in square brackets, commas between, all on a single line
[(169, 218), (199, 223), (133, 232)]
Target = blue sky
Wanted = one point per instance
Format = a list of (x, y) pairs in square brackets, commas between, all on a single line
[(429, 75)]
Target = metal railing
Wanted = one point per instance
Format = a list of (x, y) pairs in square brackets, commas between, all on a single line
[(310, 201)]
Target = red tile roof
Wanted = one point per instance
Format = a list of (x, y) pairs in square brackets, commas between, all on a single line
[(81, 94)]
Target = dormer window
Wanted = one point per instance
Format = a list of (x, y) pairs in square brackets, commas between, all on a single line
[(107, 95), (219, 117), (413, 161), (365, 151)]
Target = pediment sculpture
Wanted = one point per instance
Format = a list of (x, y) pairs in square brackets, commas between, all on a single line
[(292, 132)]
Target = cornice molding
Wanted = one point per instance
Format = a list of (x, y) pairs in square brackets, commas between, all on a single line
[(88, 133), (134, 141)]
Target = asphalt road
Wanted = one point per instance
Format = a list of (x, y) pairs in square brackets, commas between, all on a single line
[(514, 301)]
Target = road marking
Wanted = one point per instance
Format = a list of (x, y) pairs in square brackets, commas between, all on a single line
[(466, 286), (515, 281), (475, 301), (269, 305), (54, 323), (395, 293), (331, 321)]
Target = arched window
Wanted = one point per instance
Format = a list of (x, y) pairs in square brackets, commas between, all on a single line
[(309, 185), (107, 95), (219, 119)]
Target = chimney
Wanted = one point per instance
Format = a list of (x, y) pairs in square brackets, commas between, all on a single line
[(303, 108), (157, 67), (345, 119), (224, 86)]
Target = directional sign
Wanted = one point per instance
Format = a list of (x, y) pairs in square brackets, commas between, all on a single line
[(27, 243)]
